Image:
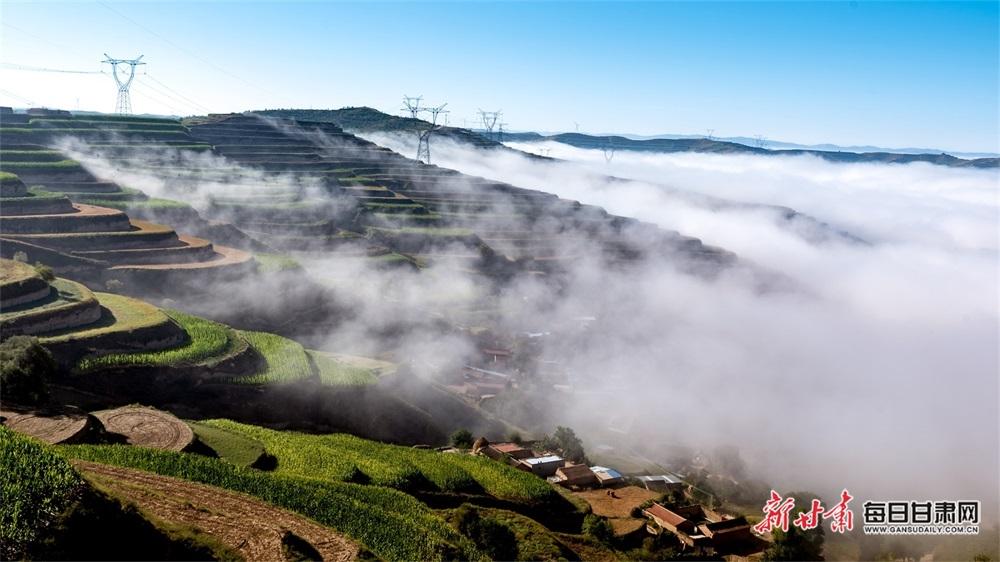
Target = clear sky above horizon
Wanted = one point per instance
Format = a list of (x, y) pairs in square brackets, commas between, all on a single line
[(889, 74)]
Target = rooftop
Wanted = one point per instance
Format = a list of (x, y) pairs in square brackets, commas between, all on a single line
[(542, 460)]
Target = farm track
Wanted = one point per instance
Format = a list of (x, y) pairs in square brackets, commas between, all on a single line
[(251, 527)]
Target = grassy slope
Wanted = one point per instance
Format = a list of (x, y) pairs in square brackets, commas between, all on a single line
[(128, 314), (390, 524), (351, 459), (49, 512), (286, 359), (229, 445), (207, 340), (338, 373)]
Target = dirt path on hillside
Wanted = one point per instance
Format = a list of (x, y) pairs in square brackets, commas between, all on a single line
[(251, 527)]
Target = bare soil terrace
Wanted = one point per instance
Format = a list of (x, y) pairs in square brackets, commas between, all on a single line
[(256, 530)]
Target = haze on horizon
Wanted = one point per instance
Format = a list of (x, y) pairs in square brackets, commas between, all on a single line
[(848, 73)]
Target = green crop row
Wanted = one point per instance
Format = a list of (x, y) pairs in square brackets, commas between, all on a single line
[(108, 117), (127, 204), (31, 155), (36, 485), (286, 359), (352, 459), (46, 165), (273, 263), (107, 124), (390, 524), (333, 372), (206, 340)]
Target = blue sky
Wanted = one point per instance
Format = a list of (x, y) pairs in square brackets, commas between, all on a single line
[(907, 74)]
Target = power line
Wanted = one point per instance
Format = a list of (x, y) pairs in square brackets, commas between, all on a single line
[(15, 96), (13, 66), (36, 37), (155, 99), (178, 94), (166, 93), (185, 51)]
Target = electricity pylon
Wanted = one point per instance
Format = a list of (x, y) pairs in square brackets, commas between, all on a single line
[(412, 104), (123, 106), (424, 140), (489, 121)]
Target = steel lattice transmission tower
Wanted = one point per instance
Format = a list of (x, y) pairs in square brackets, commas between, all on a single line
[(124, 104), (412, 104), (424, 144), (489, 121)]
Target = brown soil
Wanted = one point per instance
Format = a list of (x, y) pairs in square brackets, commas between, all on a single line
[(618, 509), (147, 427), (249, 526), (628, 498), (48, 427), (225, 256)]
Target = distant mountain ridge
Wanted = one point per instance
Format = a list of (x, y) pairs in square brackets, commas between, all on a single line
[(713, 146), (778, 144)]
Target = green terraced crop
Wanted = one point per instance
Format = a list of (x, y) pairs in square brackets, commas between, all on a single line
[(135, 203), (109, 125), (108, 117), (389, 523), (336, 373), (230, 446), (272, 263), (352, 459), (41, 165), (286, 359), (31, 155), (206, 340), (126, 315), (36, 485)]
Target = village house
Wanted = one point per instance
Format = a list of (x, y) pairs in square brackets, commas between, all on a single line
[(574, 475), (499, 451), (541, 466), (696, 526), (496, 356), (662, 482), (727, 532), (607, 476)]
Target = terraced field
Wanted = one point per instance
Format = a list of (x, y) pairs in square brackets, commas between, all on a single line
[(434, 213), (50, 512), (389, 523), (52, 227), (347, 458), (254, 529), (91, 331), (307, 186)]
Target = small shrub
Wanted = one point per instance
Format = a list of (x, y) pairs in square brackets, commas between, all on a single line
[(462, 439), (45, 272), (598, 528), (114, 285), (25, 368), (491, 536), (20, 256)]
